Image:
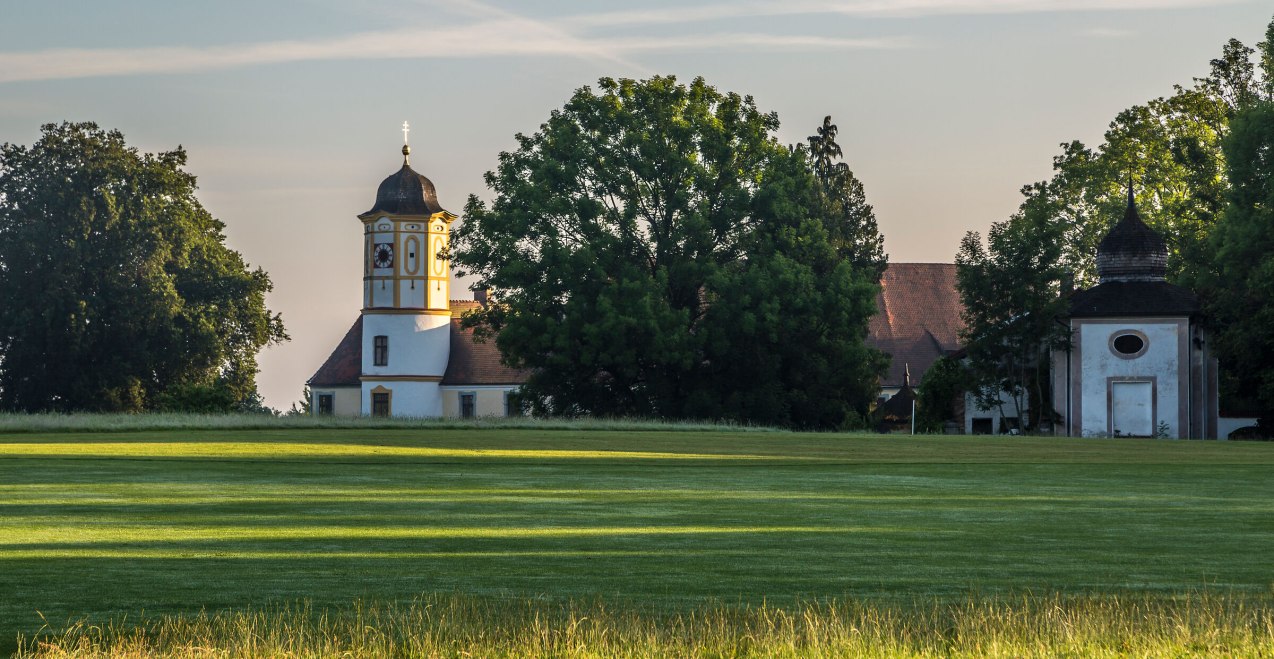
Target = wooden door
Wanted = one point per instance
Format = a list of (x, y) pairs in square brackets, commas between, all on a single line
[(1132, 409)]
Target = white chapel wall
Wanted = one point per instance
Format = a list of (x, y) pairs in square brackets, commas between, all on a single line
[(1159, 364)]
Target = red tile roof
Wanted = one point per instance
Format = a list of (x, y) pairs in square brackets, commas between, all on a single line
[(345, 365), (472, 362), (917, 319)]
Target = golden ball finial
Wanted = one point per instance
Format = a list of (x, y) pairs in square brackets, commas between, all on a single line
[(406, 153)]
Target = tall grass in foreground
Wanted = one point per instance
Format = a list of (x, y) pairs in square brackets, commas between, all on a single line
[(86, 422), (455, 625)]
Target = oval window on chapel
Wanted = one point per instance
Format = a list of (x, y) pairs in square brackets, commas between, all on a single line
[(1129, 345)]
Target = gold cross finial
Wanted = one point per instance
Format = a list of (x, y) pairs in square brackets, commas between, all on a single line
[(406, 149)]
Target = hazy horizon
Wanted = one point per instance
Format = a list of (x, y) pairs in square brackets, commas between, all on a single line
[(291, 112)]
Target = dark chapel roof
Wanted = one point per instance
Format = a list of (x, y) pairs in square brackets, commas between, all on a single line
[(1132, 262), (1134, 298), (1132, 251), (406, 192), (898, 407)]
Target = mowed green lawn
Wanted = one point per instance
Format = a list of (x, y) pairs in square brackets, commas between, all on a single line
[(109, 524)]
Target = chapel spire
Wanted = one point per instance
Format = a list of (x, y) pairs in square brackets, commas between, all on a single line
[(1132, 251)]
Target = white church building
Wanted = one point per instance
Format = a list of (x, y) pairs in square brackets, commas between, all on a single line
[(1140, 361), (407, 354)]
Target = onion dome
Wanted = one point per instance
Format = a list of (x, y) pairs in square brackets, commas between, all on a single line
[(1132, 251), (406, 192)]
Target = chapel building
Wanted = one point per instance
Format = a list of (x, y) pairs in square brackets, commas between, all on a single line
[(1140, 361)]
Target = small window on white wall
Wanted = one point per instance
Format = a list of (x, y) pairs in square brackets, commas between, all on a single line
[(380, 351), (1128, 344), (380, 404), (468, 405)]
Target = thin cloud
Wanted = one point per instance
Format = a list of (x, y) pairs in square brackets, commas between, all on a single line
[(487, 39), (874, 8), (754, 42), (490, 39), (547, 30), (503, 33)]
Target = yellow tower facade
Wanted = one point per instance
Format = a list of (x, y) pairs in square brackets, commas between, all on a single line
[(406, 297), (405, 236)]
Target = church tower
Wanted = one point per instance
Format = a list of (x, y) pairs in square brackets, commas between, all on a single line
[(406, 316)]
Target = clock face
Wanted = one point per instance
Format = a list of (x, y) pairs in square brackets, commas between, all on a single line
[(383, 255)]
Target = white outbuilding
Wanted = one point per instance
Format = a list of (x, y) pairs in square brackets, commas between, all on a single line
[(1140, 361)]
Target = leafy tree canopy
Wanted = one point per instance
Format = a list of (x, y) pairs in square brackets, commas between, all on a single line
[(655, 251), (117, 292), (1242, 297), (1012, 285), (940, 396), (1010, 293)]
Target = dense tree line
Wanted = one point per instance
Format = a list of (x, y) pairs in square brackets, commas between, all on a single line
[(1240, 291), (117, 291), (1196, 161), (656, 252)]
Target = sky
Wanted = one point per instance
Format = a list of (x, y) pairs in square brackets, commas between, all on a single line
[(291, 112)]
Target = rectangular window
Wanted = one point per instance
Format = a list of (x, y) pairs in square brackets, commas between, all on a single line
[(508, 403), (325, 404), (380, 404), (468, 405), (380, 351)]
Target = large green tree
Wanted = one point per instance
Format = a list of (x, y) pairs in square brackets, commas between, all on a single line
[(117, 291), (655, 251), (1011, 293), (1242, 296), (784, 329)]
